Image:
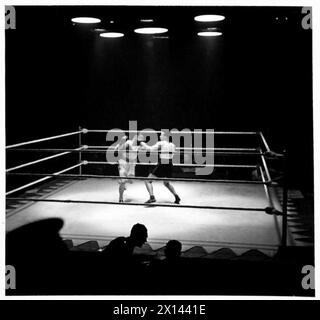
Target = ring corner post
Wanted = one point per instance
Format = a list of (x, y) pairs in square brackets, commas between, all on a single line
[(264, 141), (284, 201), (80, 153)]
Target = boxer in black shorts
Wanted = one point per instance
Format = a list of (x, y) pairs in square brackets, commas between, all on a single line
[(164, 167)]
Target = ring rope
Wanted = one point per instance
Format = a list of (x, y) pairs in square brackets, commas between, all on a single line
[(88, 149), (264, 141), (265, 166), (82, 176), (266, 189), (186, 152), (176, 132), (138, 204), (40, 160), (43, 139), (181, 164), (47, 176), (192, 148), (112, 148)]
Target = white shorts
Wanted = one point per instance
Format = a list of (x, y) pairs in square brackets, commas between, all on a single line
[(126, 169)]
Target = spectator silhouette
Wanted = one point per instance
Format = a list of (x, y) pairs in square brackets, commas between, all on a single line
[(173, 250), (38, 254), (121, 248), (169, 271), (125, 272)]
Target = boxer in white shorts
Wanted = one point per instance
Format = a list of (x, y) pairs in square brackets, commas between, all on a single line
[(128, 153)]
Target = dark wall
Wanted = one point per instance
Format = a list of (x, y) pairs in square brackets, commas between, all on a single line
[(257, 76)]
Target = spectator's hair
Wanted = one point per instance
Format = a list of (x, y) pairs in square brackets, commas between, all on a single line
[(137, 230), (173, 249)]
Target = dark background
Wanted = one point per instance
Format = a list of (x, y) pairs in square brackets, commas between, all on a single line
[(257, 76)]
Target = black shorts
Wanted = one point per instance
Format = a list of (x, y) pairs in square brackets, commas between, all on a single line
[(163, 170)]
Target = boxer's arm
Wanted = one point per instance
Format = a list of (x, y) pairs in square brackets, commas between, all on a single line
[(152, 148), (143, 145), (156, 146), (122, 144)]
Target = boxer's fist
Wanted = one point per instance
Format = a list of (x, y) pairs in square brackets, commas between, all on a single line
[(143, 145)]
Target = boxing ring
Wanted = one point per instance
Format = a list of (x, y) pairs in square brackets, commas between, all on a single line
[(241, 214)]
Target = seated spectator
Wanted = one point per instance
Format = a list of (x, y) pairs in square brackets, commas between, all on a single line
[(169, 272), (122, 248), (125, 274), (39, 256), (173, 250)]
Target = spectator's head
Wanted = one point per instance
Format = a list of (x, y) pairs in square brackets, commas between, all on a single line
[(37, 239), (173, 249), (139, 234)]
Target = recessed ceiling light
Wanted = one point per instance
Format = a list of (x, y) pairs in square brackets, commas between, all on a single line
[(111, 35), (212, 29), (85, 20), (209, 18), (100, 30), (146, 20), (150, 30), (209, 34)]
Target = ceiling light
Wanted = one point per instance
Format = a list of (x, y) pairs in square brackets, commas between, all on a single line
[(111, 35), (85, 20), (209, 18), (209, 34), (150, 30), (100, 30)]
